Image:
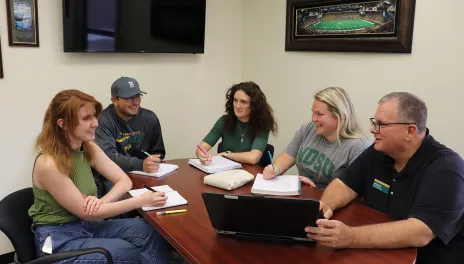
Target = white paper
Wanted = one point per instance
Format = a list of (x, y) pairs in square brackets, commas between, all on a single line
[(163, 170), (47, 246), (279, 185), (174, 198), (218, 163)]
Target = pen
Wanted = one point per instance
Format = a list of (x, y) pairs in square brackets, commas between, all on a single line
[(270, 157), (149, 188), (171, 212), (202, 150), (150, 156), (146, 153)]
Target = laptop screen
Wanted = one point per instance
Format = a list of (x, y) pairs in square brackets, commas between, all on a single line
[(261, 215)]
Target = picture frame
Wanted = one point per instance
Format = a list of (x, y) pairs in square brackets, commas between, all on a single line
[(1, 64), (350, 25), (23, 23)]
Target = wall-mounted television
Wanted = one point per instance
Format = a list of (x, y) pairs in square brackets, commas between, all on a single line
[(151, 26)]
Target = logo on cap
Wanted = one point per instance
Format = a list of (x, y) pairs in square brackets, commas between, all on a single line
[(131, 84)]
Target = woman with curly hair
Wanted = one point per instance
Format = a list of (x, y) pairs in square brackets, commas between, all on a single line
[(244, 128)]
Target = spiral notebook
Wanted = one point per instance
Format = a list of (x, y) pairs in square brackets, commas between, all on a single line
[(174, 198), (218, 163), (164, 169)]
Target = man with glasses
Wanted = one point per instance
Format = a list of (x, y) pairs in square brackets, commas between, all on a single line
[(126, 132), (407, 175)]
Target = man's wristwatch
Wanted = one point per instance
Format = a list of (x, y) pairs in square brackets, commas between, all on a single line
[(226, 153)]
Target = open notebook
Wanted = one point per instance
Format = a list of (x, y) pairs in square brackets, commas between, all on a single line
[(174, 198), (279, 185), (218, 163), (163, 170)]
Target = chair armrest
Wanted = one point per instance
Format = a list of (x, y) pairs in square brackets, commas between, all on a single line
[(70, 254)]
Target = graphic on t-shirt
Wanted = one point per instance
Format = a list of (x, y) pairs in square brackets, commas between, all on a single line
[(129, 139), (317, 164)]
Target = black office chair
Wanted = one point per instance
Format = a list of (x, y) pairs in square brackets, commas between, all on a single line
[(264, 161), (16, 224)]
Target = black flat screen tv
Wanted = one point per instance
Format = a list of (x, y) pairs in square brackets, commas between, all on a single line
[(151, 26)]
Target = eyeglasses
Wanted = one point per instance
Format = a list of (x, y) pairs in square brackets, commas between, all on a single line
[(135, 98), (377, 125)]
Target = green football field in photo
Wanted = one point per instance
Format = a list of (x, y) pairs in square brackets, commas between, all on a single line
[(351, 24)]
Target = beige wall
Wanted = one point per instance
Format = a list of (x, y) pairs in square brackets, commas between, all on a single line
[(434, 70), (178, 85)]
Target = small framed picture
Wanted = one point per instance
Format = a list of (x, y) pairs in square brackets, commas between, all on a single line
[(23, 23)]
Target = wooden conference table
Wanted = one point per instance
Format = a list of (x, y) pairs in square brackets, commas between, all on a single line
[(192, 235)]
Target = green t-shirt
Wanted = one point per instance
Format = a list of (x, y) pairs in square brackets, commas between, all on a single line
[(46, 210), (232, 141)]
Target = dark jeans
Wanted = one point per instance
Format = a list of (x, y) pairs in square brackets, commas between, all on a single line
[(128, 240)]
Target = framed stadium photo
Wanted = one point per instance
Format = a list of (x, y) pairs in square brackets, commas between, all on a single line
[(23, 23), (350, 25)]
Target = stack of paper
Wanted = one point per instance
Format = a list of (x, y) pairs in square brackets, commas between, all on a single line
[(279, 185), (174, 198), (163, 170), (218, 163)]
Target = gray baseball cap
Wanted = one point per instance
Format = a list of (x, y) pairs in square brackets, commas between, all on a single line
[(125, 87)]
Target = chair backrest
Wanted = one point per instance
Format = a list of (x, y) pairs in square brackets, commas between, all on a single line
[(264, 161), (16, 224)]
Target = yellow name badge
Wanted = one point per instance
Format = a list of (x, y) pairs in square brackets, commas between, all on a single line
[(381, 186)]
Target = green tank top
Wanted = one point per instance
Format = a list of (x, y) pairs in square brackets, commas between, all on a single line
[(46, 210)]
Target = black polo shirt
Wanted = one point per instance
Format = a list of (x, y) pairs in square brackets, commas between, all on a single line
[(429, 188)]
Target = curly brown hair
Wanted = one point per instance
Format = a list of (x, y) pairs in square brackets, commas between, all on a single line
[(261, 117)]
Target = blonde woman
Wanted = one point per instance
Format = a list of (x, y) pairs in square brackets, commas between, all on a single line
[(323, 148)]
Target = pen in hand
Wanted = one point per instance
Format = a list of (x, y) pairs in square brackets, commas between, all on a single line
[(146, 153), (203, 151), (149, 188), (151, 163), (270, 157), (152, 157)]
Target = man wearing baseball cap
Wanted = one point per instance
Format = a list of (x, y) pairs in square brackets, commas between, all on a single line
[(129, 134)]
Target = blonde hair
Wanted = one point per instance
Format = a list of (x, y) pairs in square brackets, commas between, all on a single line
[(339, 104), (53, 140)]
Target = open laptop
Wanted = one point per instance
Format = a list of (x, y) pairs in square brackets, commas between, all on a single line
[(261, 217)]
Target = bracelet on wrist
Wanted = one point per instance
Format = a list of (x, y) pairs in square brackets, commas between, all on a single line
[(278, 170)]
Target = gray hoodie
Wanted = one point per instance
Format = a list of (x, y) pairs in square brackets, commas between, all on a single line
[(123, 141)]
